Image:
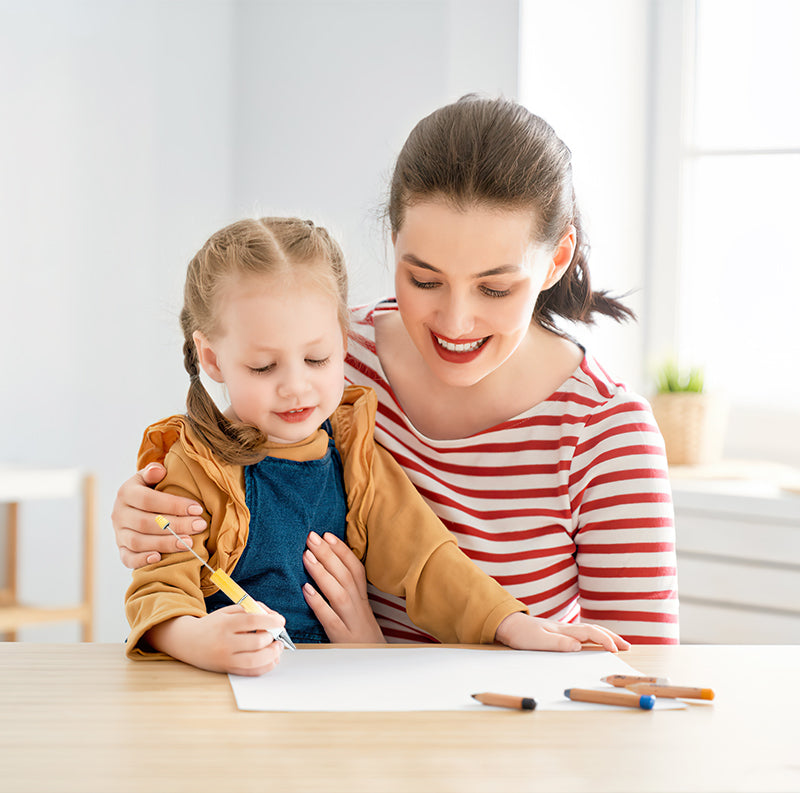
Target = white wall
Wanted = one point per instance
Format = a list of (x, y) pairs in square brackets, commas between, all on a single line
[(583, 69), (130, 132)]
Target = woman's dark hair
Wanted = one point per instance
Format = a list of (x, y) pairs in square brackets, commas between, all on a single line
[(495, 152)]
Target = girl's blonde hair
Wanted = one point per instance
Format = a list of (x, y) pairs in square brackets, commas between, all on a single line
[(266, 246)]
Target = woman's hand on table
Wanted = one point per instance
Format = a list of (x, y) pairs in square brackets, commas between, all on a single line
[(138, 536), (346, 616), (523, 632)]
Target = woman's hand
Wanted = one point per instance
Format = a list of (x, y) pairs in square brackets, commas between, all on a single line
[(227, 640), (347, 616), (139, 538), (523, 632)]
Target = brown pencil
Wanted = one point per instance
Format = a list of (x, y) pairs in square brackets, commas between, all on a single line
[(621, 681), (611, 698), (506, 701), (686, 692)]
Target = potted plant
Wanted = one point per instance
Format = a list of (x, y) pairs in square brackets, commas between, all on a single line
[(691, 420)]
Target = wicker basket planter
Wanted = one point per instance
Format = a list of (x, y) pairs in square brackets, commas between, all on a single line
[(693, 426)]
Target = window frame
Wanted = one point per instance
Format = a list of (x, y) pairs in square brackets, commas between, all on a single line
[(753, 433)]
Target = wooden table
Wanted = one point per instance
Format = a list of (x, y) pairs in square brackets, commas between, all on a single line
[(80, 717)]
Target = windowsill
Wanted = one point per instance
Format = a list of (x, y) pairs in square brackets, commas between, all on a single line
[(745, 488)]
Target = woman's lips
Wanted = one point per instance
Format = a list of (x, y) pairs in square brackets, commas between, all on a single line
[(458, 351), (295, 416)]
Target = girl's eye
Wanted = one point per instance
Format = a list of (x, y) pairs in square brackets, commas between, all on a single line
[(424, 284), (262, 369), (495, 292), (317, 361)]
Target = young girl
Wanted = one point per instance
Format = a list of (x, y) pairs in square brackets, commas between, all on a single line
[(293, 458)]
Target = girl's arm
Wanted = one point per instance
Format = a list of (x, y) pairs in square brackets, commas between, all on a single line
[(228, 640)]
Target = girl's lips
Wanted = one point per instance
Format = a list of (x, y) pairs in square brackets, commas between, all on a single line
[(295, 416), (466, 350)]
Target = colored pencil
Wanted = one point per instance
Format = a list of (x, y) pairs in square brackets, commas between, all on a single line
[(506, 701), (621, 681), (685, 692), (622, 698)]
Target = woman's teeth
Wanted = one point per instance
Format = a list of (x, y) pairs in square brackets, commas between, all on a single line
[(471, 347)]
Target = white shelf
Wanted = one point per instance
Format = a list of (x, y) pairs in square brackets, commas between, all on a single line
[(27, 483), (738, 545)]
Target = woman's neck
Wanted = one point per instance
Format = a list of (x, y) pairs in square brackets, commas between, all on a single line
[(442, 411)]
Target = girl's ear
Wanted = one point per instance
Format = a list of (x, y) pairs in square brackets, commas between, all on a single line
[(562, 257), (207, 357)]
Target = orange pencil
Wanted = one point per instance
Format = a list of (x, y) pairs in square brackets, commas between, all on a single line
[(611, 698), (686, 692), (506, 701), (621, 681)]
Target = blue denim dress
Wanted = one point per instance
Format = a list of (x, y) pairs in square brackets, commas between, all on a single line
[(288, 499)]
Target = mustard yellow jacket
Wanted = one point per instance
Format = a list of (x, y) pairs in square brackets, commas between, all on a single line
[(406, 549)]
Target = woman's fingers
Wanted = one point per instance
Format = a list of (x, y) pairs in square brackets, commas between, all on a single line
[(331, 622), (340, 577), (330, 554), (139, 538), (596, 634)]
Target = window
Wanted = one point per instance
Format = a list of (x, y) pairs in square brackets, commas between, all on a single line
[(724, 254)]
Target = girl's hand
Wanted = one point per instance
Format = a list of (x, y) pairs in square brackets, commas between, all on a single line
[(347, 616), (228, 640), (138, 536), (523, 632)]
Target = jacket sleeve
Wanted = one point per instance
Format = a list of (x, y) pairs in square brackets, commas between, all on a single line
[(408, 552), (171, 587)]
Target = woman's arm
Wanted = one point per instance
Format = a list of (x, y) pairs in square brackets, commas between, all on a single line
[(349, 618), (138, 537), (625, 539)]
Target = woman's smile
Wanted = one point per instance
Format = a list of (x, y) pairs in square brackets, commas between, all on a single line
[(458, 351)]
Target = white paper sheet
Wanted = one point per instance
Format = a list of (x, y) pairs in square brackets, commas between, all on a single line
[(429, 678)]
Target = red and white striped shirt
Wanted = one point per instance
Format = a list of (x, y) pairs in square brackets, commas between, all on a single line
[(567, 505)]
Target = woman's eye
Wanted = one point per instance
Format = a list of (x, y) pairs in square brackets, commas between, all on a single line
[(489, 292), (262, 369), (317, 361), (424, 284)]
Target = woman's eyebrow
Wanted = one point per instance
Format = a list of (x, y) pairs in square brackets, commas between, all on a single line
[(501, 270)]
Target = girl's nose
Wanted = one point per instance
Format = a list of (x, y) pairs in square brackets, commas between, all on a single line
[(294, 382)]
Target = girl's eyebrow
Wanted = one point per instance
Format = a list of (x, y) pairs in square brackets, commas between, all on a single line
[(501, 270), (311, 343)]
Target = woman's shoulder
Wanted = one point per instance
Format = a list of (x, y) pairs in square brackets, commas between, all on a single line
[(591, 381), (365, 314)]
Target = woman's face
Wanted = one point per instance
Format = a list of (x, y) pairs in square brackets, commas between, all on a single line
[(466, 285)]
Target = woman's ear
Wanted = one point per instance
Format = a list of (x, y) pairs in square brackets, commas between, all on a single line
[(207, 357), (562, 256)]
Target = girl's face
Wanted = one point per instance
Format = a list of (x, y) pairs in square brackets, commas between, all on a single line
[(280, 353), (466, 285)]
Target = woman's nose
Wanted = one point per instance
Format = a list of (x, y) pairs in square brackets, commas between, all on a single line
[(457, 317)]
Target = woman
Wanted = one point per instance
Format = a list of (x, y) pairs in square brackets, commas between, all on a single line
[(549, 473)]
